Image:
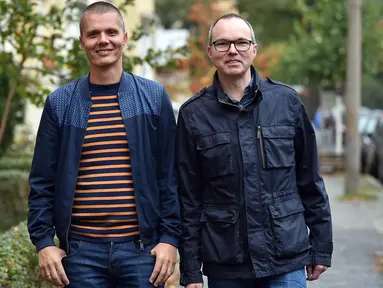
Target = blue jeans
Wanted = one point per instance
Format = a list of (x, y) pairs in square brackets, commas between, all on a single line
[(108, 265), (295, 279)]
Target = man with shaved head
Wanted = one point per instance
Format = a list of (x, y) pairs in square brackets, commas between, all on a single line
[(103, 177), (249, 182)]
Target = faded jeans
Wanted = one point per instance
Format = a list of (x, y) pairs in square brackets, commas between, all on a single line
[(108, 265), (295, 279)]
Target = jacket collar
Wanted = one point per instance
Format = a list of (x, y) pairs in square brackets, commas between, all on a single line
[(126, 81), (221, 95)]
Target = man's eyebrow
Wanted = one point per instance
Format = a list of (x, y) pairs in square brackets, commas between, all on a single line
[(90, 32)]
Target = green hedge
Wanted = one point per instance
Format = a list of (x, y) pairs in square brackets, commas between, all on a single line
[(22, 162), (20, 152), (18, 260), (14, 191)]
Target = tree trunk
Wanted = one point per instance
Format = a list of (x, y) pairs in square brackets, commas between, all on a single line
[(7, 108), (353, 92)]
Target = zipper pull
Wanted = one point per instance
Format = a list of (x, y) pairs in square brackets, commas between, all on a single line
[(141, 245), (259, 132)]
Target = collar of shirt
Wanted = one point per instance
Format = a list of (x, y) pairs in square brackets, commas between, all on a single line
[(247, 95)]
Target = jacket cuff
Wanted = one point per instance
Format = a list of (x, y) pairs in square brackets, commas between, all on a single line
[(45, 242), (320, 258), (191, 277), (171, 240)]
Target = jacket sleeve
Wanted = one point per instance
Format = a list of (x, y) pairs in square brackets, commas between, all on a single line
[(42, 180), (190, 200), (170, 225), (312, 189)]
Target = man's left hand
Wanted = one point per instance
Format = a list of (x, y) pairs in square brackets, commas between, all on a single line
[(314, 271), (166, 255)]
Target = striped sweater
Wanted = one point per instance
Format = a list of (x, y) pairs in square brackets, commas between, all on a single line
[(104, 206)]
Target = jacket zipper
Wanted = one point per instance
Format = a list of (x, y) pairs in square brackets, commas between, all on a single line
[(243, 224), (243, 227), (260, 138), (142, 246), (78, 167), (236, 106)]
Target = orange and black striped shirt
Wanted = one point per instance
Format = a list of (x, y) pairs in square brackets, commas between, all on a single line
[(104, 207)]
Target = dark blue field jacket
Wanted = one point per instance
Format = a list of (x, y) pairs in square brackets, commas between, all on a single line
[(249, 185)]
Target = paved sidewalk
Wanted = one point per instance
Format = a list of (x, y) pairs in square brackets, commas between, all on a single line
[(357, 235)]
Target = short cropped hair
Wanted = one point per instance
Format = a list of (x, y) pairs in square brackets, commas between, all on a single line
[(229, 16), (101, 7)]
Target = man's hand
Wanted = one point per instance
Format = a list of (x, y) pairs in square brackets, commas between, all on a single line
[(166, 255), (314, 271), (194, 285), (51, 268)]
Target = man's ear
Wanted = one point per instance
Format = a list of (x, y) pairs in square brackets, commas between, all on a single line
[(81, 42), (209, 51), (255, 50), (126, 39)]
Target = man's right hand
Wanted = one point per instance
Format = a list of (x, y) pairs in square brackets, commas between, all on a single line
[(51, 268), (194, 285)]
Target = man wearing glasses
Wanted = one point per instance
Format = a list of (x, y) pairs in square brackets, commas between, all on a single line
[(249, 183)]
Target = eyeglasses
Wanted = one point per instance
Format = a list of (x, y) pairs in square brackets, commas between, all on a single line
[(241, 45)]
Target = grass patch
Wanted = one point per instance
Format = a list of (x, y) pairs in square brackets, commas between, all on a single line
[(367, 192), (358, 197)]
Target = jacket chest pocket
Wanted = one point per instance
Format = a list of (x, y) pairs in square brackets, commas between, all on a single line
[(276, 145), (215, 155)]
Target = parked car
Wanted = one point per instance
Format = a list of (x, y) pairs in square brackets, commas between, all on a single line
[(364, 117), (377, 151), (372, 141)]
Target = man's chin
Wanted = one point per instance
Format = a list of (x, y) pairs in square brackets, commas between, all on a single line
[(105, 63), (234, 72)]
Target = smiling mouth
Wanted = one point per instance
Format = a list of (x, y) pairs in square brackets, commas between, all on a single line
[(233, 62), (104, 51)]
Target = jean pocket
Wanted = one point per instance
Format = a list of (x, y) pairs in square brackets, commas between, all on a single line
[(220, 236), (289, 227), (294, 279), (74, 247)]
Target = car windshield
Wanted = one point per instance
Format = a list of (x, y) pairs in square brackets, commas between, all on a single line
[(371, 125), (363, 120)]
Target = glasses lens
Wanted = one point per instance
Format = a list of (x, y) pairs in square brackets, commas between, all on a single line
[(222, 45), (242, 45)]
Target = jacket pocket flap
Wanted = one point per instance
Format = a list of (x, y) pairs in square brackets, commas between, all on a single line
[(219, 215), (278, 132), (212, 140), (286, 208)]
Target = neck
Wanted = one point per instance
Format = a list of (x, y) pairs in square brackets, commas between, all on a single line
[(235, 87), (104, 76)]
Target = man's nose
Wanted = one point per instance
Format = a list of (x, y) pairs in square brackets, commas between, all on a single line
[(232, 49), (103, 39)]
